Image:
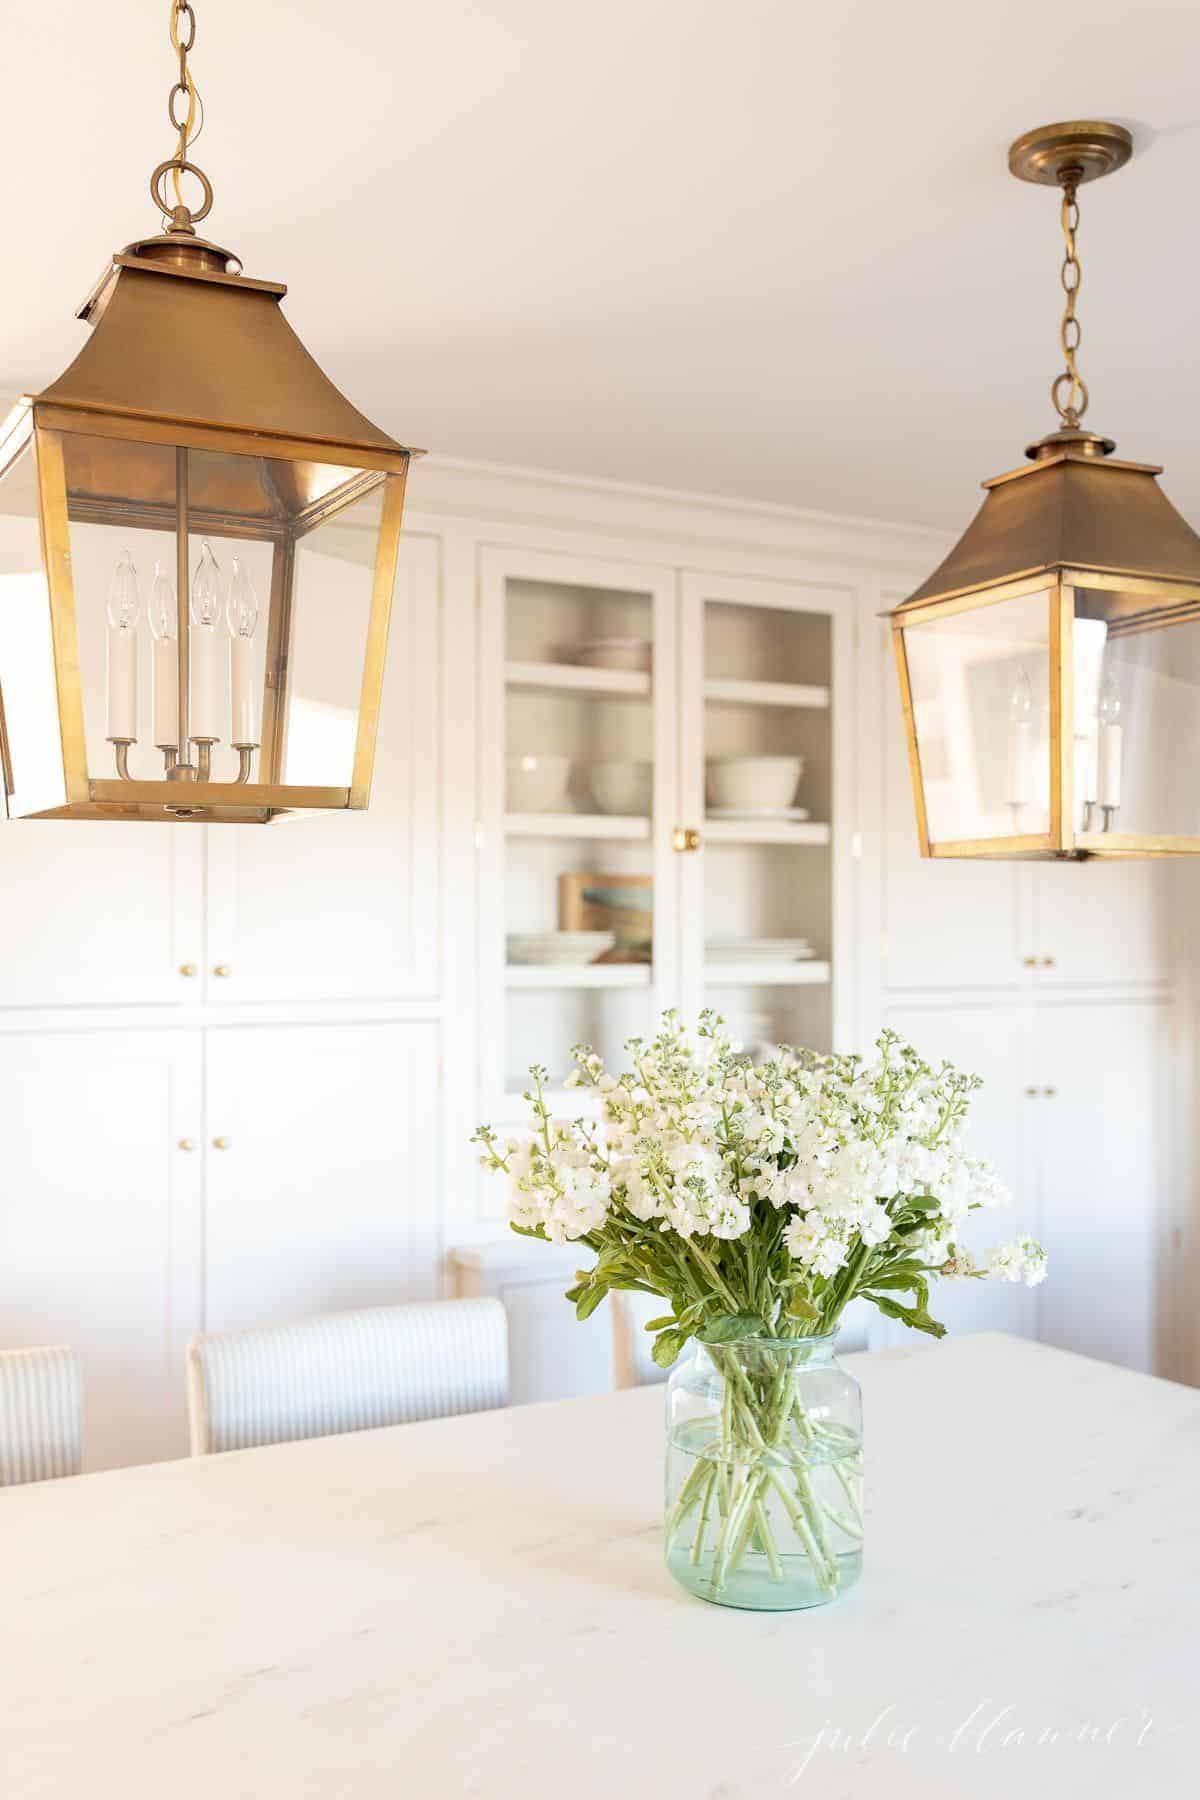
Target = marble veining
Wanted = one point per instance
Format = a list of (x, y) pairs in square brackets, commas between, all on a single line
[(478, 1606)]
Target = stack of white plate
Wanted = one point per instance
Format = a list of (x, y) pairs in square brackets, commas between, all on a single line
[(558, 947), (731, 950), (634, 655)]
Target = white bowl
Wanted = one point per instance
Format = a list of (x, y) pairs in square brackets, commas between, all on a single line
[(635, 655), (538, 783), (623, 787), (765, 783), (558, 946)]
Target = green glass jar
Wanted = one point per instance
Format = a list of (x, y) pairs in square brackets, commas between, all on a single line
[(764, 1473)]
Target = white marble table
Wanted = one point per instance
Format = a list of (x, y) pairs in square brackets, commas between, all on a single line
[(479, 1607)]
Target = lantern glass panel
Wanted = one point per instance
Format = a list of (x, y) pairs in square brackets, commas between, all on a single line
[(1136, 714), (980, 684), (332, 587), (31, 763), (281, 576)]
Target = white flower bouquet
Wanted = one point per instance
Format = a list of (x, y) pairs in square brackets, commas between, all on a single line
[(758, 1201)]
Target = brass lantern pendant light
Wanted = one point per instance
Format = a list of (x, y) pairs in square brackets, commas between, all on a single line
[(198, 542), (1050, 668)]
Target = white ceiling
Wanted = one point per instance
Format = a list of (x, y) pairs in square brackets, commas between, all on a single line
[(762, 248)]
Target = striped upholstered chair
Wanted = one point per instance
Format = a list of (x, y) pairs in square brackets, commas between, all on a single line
[(348, 1371), (41, 1414), (633, 1365)]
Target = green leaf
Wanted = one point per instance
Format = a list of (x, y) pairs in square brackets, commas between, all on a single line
[(801, 1307), (668, 1319), (906, 1281), (590, 1299), (580, 1287), (730, 1328), (667, 1346), (922, 1202), (914, 1317)]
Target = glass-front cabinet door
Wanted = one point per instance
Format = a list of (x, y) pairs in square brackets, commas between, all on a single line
[(578, 781), (758, 861)]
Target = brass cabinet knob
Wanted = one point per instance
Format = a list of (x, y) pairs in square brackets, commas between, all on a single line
[(1029, 962), (187, 1143), (685, 837), (220, 1143), (1047, 962), (1031, 1093), (1050, 1092), (222, 969), (188, 969)]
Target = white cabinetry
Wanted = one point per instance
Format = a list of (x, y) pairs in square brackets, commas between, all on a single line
[(718, 672), (312, 1059), (1052, 982), (101, 1222), (1104, 1191), (322, 1155), (99, 914), (346, 907)]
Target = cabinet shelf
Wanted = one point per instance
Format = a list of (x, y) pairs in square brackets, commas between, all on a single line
[(576, 825), (572, 678), (576, 975), (766, 693), (752, 973), (766, 831)]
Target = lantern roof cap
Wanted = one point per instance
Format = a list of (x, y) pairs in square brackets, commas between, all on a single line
[(1074, 507), (178, 338)]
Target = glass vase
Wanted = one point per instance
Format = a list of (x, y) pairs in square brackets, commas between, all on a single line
[(764, 1504)]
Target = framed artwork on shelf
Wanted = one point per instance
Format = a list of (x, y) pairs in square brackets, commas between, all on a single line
[(622, 904)]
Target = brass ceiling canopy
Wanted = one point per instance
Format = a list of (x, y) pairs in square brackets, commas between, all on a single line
[(1023, 659), (196, 435)]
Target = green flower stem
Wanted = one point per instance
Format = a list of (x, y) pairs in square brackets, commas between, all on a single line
[(767, 1541), (710, 1487), (825, 1575)]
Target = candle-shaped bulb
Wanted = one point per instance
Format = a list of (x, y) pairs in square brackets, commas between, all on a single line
[(206, 588), (1020, 701), (243, 617), (163, 617), (206, 652), (123, 604), (121, 715), (1108, 774), (243, 602), (1110, 701)]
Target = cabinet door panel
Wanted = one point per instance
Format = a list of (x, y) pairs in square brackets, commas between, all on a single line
[(991, 1042), (1102, 923), (1103, 1210), (345, 906), (326, 1194), (100, 1223), (946, 924), (95, 914)]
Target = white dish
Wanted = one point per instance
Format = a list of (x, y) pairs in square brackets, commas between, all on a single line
[(758, 950), (558, 947), (622, 787), (753, 782), (634, 655), (538, 783), (795, 815)]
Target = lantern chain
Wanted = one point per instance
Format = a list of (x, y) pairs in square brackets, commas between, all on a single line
[(185, 110), (1071, 409)]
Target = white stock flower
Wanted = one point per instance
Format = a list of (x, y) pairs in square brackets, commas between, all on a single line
[(1024, 1260)]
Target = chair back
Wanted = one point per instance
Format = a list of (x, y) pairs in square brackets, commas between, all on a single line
[(41, 1414), (348, 1371), (633, 1363)]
